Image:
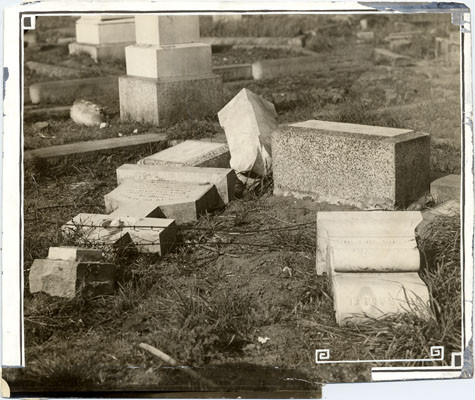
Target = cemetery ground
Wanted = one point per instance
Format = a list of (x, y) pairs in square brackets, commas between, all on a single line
[(245, 272)]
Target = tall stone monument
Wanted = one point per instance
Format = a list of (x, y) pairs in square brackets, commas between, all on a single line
[(103, 36), (169, 72)]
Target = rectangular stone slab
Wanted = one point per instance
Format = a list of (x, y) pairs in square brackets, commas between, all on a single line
[(70, 253), (446, 188), (223, 178), (63, 278), (183, 202), (117, 30), (368, 167), (360, 296), (167, 29), (149, 235), (365, 236), (192, 153)]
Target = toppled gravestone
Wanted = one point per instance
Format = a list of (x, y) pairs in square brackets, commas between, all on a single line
[(446, 188), (86, 113), (69, 272), (248, 121)]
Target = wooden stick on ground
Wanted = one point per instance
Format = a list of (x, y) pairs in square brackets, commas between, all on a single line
[(169, 360)]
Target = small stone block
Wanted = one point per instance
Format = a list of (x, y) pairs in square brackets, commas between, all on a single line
[(167, 29), (67, 279), (383, 56), (183, 202), (69, 253), (359, 165), (360, 297), (446, 188), (191, 153), (224, 179), (98, 32)]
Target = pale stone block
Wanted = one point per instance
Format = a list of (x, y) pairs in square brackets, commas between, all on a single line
[(70, 253), (167, 101), (365, 36), (148, 235), (193, 59), (446, 188), (67, 279), (359, 165), (91, 31), (359, 297), (191, 153), (167, 29), (101, 51), (383, 56), (367, 236), (248, 121), (184, 202), (222, 178)]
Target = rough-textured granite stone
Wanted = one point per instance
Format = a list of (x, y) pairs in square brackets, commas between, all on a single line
[(67, 279), (166, 101), (445, 188), (364, 166)]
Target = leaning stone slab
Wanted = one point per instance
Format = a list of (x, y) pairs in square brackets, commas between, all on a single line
[(148, 235), (183, 202), (268, 69), (367, 241), (359, 297), (224, 179), (70, 253), (65, 278), (248, 121), (66, 91), (191, 153), (446, 188), (359, 165), (383, 56)]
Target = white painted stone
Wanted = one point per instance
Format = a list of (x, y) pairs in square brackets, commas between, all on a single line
[(222, 178), (148, 235), (360, 296), (191, 153), (382, 232), (167, 29), (70, 253), (107, 31), (183, 202), (248, 121), (192, 59)]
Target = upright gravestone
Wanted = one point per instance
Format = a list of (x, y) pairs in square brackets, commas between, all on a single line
[(103, 36), (169, 72), (373, 261)]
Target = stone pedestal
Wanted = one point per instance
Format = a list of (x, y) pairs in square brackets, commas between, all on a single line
[(103, 37), (169, 73)]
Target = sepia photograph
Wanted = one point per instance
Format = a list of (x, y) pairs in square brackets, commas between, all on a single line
[(244, 202)]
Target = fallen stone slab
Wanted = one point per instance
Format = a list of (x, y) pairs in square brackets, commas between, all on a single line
[(367, 241), (383, 56), (70, 253), (95, 146), (183, 202), (408, 35), (147, 235), (67, 91), (87, 113), (254, 41), (224, 179), (360, 297), (54, 71), (191, 153), (63, 278), (234, 72), (31, 114), (446, 188), (268, 69), (365, 36), (368, 167), (248, 121)]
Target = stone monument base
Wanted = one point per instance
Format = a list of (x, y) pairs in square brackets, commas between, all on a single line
[(166, 101), (100, 52)]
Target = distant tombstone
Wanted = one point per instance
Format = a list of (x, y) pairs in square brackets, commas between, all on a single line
[(248, 121), (183, 202), (70, 253), (373, 262), (191, 153), (446, 188), (222, 178), (359, 165), (147, 235), (103, 36), (169, 72)]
